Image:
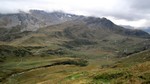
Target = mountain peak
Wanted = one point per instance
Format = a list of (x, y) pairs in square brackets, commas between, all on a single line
[(37, 11)]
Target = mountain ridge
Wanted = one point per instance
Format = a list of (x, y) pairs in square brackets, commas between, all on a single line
[(14, 26), (33, 20)]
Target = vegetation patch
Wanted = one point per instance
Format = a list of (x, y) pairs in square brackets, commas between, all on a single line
[(76, 76), (54, 52), (108, 77), (6, 50), (12, 33), (79, 42), (78, 62), (145, 76)]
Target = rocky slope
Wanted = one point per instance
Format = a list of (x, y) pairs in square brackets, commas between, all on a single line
[(34, 19)]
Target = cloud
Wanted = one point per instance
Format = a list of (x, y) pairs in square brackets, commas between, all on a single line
[(141, 5), (133, 12)]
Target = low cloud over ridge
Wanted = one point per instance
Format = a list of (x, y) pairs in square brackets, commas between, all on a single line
[(123, 12)]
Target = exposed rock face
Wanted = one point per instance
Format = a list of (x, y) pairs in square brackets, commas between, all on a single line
[(34, 20)]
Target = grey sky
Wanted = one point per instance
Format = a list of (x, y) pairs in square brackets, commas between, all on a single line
[(123, 12)]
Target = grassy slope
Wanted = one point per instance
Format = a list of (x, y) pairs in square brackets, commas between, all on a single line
[(99, 55), (25, 64), (134, 69), (135, 58), (93, 73), (78, 36)]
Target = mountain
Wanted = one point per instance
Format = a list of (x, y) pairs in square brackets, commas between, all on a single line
[(51, 18), (60, 29), (20, 24), (17, 25), (127, 26), (53, 47), (146, 29), (33, 20)]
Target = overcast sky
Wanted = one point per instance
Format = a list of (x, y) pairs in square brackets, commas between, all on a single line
[(122, 12)]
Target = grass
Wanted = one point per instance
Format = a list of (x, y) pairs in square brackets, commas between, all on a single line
[(91, 74), (76, 76), (102, 66), (134, 59), (128, 75), (19, 65), (110, 75)]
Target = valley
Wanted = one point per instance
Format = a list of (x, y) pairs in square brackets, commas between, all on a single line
[(71, 49)]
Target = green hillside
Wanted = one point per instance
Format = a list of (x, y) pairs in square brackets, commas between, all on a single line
[(77, 50)]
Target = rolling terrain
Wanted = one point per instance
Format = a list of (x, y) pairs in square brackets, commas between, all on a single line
[(60, 48)]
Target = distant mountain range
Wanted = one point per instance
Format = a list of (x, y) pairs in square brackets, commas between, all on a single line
[(146, 29), (36, 19)]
